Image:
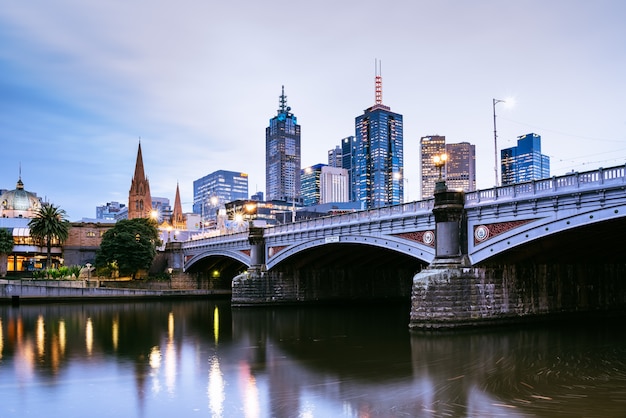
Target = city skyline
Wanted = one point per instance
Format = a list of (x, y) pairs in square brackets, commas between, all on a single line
[(196, 83)]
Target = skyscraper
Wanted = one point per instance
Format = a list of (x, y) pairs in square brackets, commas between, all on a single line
[(324, 184), (379, 168), (334, 157), (282, 155), (461, 166), (524, 162), (459, 170), (212, 191), (430, 146)]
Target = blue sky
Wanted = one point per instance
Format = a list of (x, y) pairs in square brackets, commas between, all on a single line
[(198, 81)]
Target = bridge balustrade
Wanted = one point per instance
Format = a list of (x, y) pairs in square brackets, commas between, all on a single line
[(547, 186)]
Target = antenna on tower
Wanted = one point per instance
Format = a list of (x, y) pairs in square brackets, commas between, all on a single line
[(378, 81), (283, 102)]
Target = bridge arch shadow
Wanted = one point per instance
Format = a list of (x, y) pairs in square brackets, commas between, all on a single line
[(574, 240), (219, 267), (363, 249)]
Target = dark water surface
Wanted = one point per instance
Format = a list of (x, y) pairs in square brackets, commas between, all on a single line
[(204, 359)]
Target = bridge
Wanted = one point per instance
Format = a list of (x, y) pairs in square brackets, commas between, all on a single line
[(499, 221), (574, 218)]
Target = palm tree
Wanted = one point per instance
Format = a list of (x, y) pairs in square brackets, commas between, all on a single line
[(6, 248), (49, 223)]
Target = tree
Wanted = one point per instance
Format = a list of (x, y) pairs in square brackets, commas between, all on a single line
[(50, 223), (6, 248), (130, 244)]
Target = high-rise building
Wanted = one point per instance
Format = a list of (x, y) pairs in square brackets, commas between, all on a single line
[(379, 167), (348, 161), (335, 157), (430, 146), (324, 184), (139, 198), (282, 155), (109, 211), (461, 166), (525, 161), (212, 191), (459, 171)]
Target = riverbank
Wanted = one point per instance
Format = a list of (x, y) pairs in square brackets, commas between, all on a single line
[(24, 291)]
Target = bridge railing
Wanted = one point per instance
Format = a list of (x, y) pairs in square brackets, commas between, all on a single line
[(422, 206), (552, 185)]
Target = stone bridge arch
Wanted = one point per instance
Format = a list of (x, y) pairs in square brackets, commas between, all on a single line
[(192, 263), (421, 252)]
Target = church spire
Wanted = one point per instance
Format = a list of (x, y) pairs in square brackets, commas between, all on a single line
[(178, 219), (139, 198)]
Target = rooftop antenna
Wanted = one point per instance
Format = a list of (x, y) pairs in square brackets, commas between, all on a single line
[(378, 81), (283, 102)]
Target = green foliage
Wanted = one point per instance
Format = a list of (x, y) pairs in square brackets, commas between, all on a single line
[(39, 274), (64, 271), (131, 245), (74, 271), (53, 274), (49, 223), (6, 241)]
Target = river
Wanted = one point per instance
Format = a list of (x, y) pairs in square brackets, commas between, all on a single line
[(203, 358)]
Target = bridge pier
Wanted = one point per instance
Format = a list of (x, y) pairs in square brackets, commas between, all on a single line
[(451, 293)]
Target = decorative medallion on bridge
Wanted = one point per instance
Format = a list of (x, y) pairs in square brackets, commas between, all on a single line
[(272, 251), (481, 233), (425, 237), (484, 232)]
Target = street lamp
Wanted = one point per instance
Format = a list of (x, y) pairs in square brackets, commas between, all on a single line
[(495, 139), (88, 265), (440, 162)]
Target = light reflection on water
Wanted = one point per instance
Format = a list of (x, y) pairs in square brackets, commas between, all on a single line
[(200, 358)]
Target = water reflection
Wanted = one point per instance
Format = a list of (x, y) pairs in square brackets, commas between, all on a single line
[(185, 358)]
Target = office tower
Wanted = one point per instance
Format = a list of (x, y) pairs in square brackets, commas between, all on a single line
[(348, 161), (430, 146), (461, 166), (524, 162), (109, 211), (212, 191), (139, 199), (324, 184), (282, 155), (379, 169), (334, 157)]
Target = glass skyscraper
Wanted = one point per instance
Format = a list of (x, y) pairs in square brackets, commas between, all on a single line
[(525, 162), (212, 191), (379, 167), (282, 155)]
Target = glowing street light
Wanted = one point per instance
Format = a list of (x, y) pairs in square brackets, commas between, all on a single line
[(440, 162)]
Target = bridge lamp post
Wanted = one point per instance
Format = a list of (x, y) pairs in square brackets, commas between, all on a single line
[(440, 163), (495, 135)]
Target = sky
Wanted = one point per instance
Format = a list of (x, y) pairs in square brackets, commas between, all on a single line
[(197, 81)]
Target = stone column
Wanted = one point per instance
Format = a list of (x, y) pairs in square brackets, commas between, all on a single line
[(441, 292), (257, 247), (448, 210)]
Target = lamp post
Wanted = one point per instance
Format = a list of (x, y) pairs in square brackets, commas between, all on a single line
[(440, 162), (495, 139), (88, 265)]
